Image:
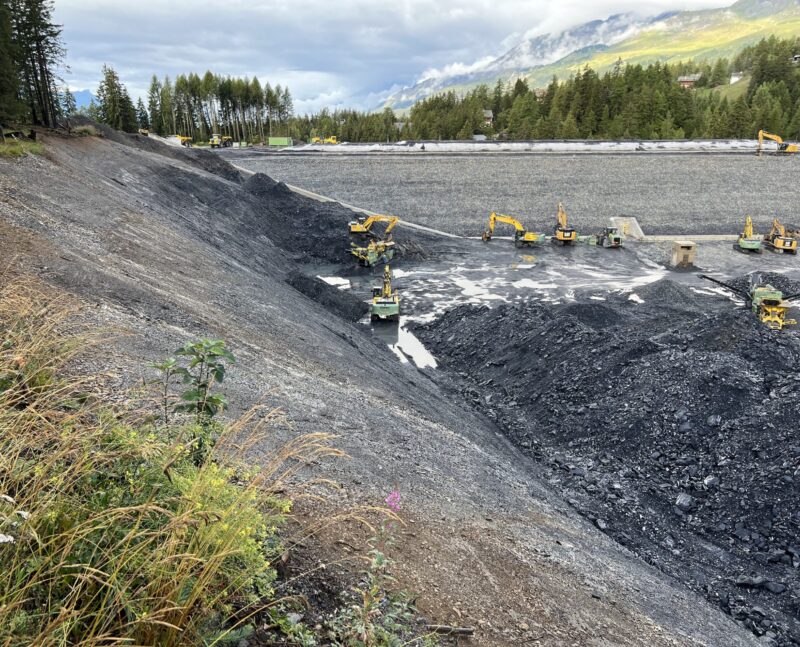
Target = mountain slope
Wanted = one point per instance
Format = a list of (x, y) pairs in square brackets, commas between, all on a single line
[(670, 37)]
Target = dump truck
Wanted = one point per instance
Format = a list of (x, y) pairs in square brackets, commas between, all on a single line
[(748, 241), (374, 253), (362, 226), (218, 141), (763, 300), (777, 239), (563, 234), (385, 304), (522, 237), (784, 148), (185, 141)]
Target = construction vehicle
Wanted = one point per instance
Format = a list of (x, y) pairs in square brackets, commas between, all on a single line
[(381, 251), (217, 141), (185, 141), (522, 237), (763, 300), (363, 225), (385, 301), (778, 240), (563, 233), (610, 237), (144, 132), (326, 140), (784, 148), (748, 241)]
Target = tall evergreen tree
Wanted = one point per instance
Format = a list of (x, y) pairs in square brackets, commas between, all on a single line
[(39, 54), (142, 118), (9, 84)]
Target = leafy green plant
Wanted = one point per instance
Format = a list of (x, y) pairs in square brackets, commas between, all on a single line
[(204, 367)]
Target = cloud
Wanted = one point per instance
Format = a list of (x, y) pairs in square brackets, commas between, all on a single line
[(330, 54)]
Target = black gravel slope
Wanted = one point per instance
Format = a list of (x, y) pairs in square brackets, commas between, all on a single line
[(674, 429)]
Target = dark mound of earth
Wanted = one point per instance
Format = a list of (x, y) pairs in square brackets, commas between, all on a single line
[(672, 424), (344, 304)]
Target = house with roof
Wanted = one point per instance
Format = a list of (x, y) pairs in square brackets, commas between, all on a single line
[(688, 81)]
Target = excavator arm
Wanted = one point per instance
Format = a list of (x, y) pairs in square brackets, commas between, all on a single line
[(494, 218), (748, 228), (562, 217), (364, 226)]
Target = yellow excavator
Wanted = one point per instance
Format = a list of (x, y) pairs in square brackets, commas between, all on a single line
[(564, 234), (778, 239), (522, 237), (363, 225), (784, 148), (748, 240)]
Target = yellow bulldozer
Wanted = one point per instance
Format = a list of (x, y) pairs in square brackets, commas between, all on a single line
[(363, 225), (522, 237), (784, 148), (563, 234)]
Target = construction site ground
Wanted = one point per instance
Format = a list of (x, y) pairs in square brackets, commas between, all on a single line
[(669, 193), (166, 245)]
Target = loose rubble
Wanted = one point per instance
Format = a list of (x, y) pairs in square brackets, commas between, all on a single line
[(672, 425)]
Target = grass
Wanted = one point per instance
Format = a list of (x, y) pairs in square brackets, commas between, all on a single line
[(113, 532), (108, 531), (19, 148), (85, 131)]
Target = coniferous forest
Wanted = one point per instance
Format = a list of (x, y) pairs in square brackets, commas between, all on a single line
[(626, 102)]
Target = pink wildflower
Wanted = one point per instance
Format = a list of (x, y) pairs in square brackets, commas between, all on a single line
[(393, 500)]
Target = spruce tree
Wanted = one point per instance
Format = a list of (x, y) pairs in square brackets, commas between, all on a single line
[(9, 85), (141, 115)]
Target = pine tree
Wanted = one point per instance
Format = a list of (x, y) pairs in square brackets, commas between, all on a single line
[(141, 115), (9, 85), (39, 54), (115, 107), (67, 104), (154, 106)]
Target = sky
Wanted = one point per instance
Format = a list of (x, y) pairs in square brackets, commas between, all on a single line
[(331, 53)]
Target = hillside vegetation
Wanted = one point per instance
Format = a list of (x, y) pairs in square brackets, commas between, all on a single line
[(631, 102)]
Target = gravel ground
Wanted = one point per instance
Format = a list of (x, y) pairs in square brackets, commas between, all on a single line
[(669, 194), (173, 246), (670, 423)]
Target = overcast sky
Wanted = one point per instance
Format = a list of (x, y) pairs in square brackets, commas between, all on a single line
[(329, 52)]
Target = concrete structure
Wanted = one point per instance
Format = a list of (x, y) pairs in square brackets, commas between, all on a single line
[(683, 253), (736, 77), (488, 117)]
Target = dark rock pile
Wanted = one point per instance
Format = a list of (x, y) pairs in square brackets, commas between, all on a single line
[(673, 425)]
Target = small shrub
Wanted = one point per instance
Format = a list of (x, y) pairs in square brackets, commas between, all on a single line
[(85, 131)]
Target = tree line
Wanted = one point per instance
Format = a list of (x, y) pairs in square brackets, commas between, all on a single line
[(31, 58), (629, 102)]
